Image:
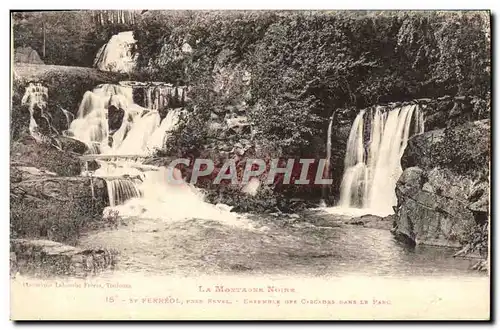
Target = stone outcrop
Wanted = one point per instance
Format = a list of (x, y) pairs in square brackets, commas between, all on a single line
[(46, 156), (54, 207), (48, 258), (72, 145), (464, 149), (428, 215), (450, 111), (443, 193), (39, 190)]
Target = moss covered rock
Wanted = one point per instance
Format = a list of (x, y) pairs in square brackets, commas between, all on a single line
[(28, 152), (443, 193)]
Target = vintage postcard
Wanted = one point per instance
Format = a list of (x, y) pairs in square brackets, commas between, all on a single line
[(250, 165)]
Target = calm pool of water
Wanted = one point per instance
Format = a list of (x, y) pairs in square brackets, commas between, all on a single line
[(270, 246)]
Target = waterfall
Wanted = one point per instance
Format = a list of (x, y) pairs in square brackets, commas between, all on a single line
[(116, 55), (161, 96), (354, 166), (69, 117), (35, 98), (90, 102), (134, 188), (91, 125), (328, 155), (157, 95), (160, 135), (141, 132), (164, 200), (144, 134), (373, 168), (136, 141), (121, 190)]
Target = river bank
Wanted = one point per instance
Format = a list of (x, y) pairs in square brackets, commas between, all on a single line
[(309, 244), (313, 243), (271, 214), (389, 151)]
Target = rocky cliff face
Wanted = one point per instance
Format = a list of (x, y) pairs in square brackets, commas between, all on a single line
[(443, 193), (439, 113)]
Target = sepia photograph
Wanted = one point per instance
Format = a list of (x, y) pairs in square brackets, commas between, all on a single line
[(250, 164)]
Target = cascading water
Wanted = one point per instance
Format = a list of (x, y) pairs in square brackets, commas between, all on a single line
[(69, 117), (122, 179), (138, 125), (137, 189), (371, 172), (136, 140), (91, 125), (121, 190), (35, 97), (158, 96), (328, 156), (116, 55), (160, 135)]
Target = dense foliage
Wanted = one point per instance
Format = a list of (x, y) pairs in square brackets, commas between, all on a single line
[(303, 64), (306, 64), (70, 37)]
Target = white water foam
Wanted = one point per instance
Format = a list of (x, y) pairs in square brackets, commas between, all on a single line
[(117, 54), (136, 189), (372, 170)]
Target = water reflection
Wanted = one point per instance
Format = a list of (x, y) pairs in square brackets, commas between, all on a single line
[(205, 247), (367, 251)]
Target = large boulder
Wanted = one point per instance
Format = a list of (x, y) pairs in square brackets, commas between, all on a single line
[(427, 215), (443, 193), (72, 145), (464, 149), (115, 118)]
